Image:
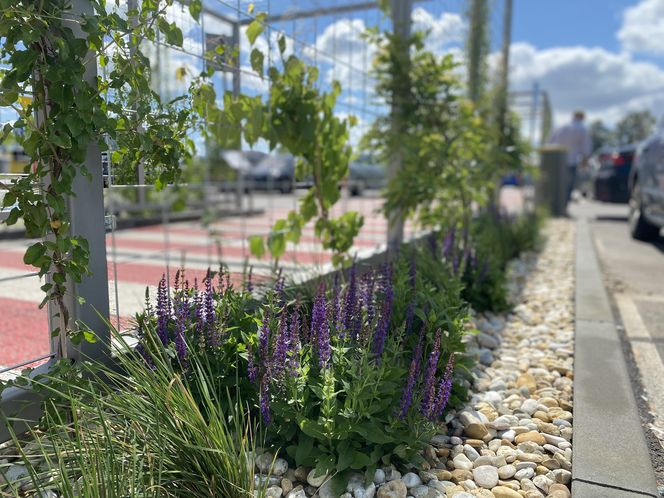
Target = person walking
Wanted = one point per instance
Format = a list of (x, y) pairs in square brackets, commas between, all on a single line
[(575, 138)]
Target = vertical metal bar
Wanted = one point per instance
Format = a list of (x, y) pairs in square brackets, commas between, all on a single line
[(533, 111), (401, 20), (236, 61), (86, 211)]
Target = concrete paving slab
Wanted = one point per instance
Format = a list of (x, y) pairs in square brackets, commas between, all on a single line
[(585, 489), (609, 444), (592, 302)]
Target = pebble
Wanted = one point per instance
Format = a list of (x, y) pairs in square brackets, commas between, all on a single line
[(379, 476), (264, 462), (316, 480), (411, 480), (486, 476), (393, 489)]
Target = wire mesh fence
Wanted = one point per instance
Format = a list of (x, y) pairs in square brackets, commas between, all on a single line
[(226, 196)]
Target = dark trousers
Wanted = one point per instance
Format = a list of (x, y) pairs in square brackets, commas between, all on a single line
[(571, 180)]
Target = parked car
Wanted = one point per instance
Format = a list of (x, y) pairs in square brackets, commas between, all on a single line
[(611, 173), (646, 187), (364, 173), (273, 172)]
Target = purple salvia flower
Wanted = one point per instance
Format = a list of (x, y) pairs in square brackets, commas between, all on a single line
[(413, 374), (384, 325), (320, 330), (412, 280), (429, 386), (281, 347), (250, 285), (350, 303), (336, 304), (265, 402), (252, 370), (163, 310), (455, 264), (264, 345), (293, 358), (483, 272), (371, 302), (444, 389), (433, 244), (448, 243), (210, 319), (464, 259)]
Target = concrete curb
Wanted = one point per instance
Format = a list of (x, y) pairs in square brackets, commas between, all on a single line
[(611, 458)]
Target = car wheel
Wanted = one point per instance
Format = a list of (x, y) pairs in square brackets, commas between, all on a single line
[(286, 186), (639, 227), (356, 189)]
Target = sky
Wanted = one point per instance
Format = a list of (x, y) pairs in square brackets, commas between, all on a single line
[(603, 56)]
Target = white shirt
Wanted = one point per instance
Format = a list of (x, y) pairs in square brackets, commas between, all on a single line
[(576, 139)]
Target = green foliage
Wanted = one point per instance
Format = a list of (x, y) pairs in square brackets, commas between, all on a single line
[(62, 112), (134, 431)]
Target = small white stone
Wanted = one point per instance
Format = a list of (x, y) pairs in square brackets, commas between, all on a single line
[(461, 461), (314, 480), (280, 467), (411, 480), (486, 476), (379, 476), (524, 474)]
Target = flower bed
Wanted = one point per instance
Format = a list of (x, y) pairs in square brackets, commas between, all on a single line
[(346, 380)]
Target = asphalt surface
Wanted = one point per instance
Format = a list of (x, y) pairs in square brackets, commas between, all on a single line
[(633, 273)]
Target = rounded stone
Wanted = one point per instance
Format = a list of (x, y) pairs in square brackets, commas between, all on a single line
[(505, 492), (279, 467), (379, 476), (526, 473), (530, 436), (273, 492), (506, 471), (316, 480), (486, 476), (462, 462), (393, 489), (264, 462), (411, 480), (420, 491)]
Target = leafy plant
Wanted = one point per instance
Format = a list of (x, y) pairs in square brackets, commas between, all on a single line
[(62, 111)]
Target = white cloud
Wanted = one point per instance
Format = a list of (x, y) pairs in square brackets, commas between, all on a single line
[(643, 27), (605, 84), (443, 31)]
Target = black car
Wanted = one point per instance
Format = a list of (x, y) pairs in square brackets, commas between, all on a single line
[(364, 173), (646, 187), (611, 175), (273, 172)]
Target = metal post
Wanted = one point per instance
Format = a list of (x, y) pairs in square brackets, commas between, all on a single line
[(505, 66), (533, 111), (140, 168), (401, 20), (236, 60), (86, 211)]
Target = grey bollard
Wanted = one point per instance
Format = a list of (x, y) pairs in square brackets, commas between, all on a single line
[(551, 190)]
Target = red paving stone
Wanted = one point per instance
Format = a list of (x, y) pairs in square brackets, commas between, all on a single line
[(23, 331)]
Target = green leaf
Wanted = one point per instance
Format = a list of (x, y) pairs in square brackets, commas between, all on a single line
[(256, 27), (282, 43), (360, 460), (257, 246), (257, 60), (195, 7), (34, 253)]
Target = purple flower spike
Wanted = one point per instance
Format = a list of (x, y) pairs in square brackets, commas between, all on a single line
[(250, 285), (448, 243), (293, 358), (483, 272), (350, 302), (429, 387), (320, 330), (265, 402), (444, 389), (281, 347), (380, 335), (163, 310), (252, 370), (336, 303), (413, 374), (210, 318)]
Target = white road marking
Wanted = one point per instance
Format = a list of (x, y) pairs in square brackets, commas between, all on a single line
[(647, 358)]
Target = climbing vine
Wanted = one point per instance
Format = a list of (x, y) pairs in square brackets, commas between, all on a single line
[(49, 52)]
